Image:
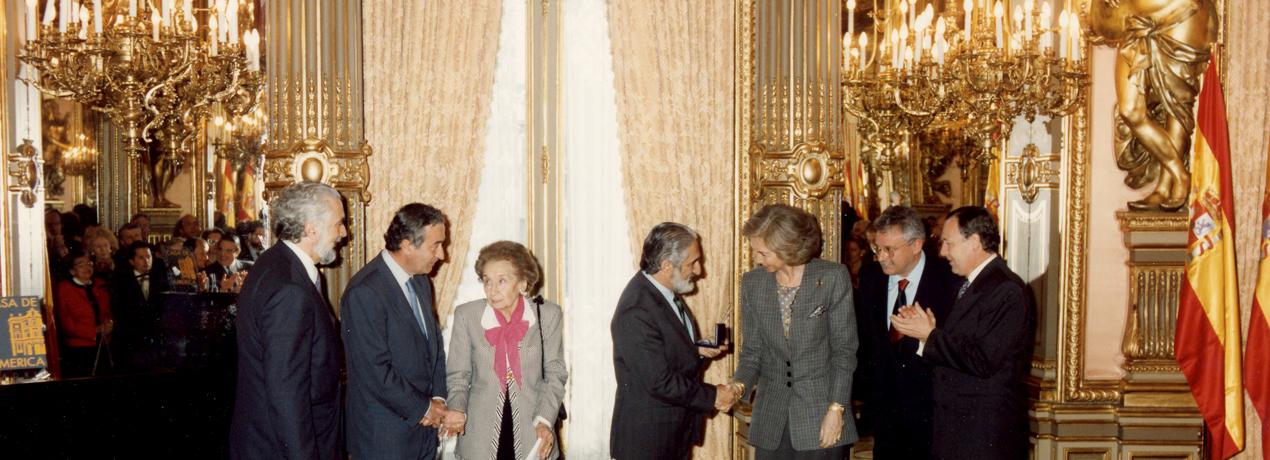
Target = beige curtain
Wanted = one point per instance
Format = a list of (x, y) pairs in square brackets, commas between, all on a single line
[(429, 70), (673, 75), (1247, 66)]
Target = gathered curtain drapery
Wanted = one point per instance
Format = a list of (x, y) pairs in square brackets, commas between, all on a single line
[(674, 78), (428, 80)]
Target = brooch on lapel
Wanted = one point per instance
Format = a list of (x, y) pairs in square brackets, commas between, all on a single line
[(818, 312)]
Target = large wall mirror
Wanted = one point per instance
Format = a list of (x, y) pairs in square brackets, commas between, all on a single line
[(150, 113), (187, 143)]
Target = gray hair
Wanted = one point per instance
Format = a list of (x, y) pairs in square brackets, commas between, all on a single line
[(667, 241), (298, 204), (903, 217)]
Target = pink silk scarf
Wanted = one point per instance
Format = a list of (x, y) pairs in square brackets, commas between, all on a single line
[(506, 341)]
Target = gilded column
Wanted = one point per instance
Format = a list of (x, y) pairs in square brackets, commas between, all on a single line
[(795, 136), (314, 102)]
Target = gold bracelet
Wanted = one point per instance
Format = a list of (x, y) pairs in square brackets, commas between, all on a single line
[(837, 407), (739, 386)]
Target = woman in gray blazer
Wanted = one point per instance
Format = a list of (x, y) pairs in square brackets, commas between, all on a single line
[(799, 341), (505, 370)]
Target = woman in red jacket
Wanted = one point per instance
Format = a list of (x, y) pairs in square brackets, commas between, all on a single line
[(83, 319)]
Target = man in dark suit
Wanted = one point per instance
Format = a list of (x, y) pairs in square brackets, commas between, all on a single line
[(226, 271), (396, 358), (660, 394), (899, 402), (981, 352), (136, 290), (287, 401)]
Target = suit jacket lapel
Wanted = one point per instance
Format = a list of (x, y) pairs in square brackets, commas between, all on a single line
[(962, 306)]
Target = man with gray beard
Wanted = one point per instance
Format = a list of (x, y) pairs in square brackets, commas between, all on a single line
[(288, 402), (661, 398)]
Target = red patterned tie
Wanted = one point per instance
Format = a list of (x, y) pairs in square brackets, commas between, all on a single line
[(900, 301)]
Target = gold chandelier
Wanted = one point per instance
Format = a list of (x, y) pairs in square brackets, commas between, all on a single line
[(973, 67), (81, 158), (239, 138), (154, 68)]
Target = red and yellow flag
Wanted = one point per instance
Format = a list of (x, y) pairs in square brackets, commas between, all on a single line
[(992, 192), (1257, 356), (1207, 342)]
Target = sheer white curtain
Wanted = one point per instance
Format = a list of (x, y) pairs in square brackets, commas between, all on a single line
[(597, 259), (500, 200)]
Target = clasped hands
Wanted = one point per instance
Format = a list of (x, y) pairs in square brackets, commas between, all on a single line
[(727, 394), (914, 321), (448, 422), (453, 423)]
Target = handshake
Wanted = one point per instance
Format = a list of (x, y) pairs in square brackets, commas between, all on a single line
[(447, 421), (726, 395)]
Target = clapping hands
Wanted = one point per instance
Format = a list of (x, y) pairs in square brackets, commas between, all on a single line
[(914, 321)]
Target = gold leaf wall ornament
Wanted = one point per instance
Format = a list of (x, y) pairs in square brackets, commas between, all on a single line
[(25, 165)]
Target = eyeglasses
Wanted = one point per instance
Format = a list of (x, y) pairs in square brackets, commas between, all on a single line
[(889, 251)]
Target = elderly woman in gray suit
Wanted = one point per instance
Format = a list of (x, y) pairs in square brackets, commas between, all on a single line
[(506, 370), (799, 340)]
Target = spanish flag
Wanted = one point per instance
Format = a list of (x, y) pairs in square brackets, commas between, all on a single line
[(992, 192), (1257, 356), (1207, 344)]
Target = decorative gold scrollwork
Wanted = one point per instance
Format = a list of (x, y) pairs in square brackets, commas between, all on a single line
[(24, 167), (313, 160)]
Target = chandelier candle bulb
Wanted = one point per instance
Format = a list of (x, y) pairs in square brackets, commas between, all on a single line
[(968, 6), (62, 15), (83, 22), (864, 47), (154, 26), (912, 12), (32, 32), (231, 10), (1028, 7), (1062, 35), (850, 17), (97, 15), (212, 34), (998, 12)]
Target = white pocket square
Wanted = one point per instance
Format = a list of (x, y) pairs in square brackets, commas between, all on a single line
[(819, 311)]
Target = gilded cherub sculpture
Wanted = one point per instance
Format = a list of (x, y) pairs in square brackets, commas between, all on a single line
[(1163, 49)]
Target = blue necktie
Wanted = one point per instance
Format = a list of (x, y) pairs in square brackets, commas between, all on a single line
[(414, 307)]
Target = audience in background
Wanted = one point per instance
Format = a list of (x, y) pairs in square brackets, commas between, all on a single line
[(109, 287), (251, 234)]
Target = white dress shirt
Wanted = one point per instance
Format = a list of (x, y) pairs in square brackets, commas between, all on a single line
[(910, 293), (670, 299), (309, 265)]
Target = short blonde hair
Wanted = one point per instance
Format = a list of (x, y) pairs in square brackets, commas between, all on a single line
[(792, 233), (522, 260)]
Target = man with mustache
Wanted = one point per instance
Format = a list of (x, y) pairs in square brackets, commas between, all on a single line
[(289, 359)]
